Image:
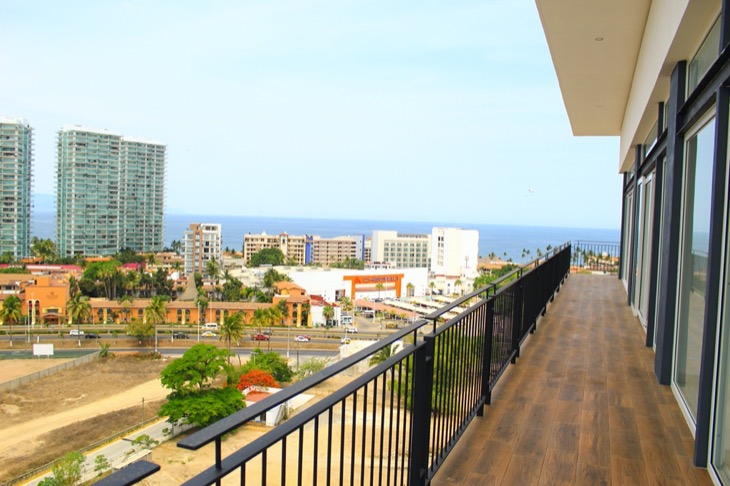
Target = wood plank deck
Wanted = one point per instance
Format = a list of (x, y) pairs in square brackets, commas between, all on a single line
[(581, 406)]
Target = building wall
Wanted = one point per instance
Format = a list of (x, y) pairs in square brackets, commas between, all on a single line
[(202, 243), (16, 177), (109, 193), (403, 251), (293, 247), (454, 252)]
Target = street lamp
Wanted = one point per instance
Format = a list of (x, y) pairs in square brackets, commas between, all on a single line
[(198, 320)]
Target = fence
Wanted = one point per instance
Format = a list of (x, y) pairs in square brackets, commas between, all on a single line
[(596, 256), (16, 382), (396, 422)]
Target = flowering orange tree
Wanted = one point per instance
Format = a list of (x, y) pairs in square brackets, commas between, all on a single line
[(256, 378)]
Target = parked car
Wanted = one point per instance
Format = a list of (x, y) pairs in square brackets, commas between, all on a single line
[(351, 329), (302, 338), (180, 335), (209, 334), (260, 337), (75, 332), (91, 335)]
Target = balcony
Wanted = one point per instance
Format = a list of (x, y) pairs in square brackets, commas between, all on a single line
[(544, 379), (581, 406)]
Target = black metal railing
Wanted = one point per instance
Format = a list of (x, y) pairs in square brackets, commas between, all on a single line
[(596, 256), (395, 422)]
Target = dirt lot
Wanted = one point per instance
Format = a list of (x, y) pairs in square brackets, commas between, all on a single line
[(44, 419)]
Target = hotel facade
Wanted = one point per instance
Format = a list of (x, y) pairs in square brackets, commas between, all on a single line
[(202, 242), (110, 193), (657, 75), (16, 178)]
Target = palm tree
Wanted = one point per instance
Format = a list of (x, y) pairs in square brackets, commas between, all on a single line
[(212, 269), (409, 288), (78, 309), (382, 355), (379, 287), (273, 315), (259, 320), (156, 313), (328, 313), (233, 329), (431, 285), (11, 313), (458, 283), (346, 304)]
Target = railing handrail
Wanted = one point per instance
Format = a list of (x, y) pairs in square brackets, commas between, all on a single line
[(509, 306), (209, 434)]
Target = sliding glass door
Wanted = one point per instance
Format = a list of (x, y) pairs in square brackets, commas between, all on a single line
[(694, 246)]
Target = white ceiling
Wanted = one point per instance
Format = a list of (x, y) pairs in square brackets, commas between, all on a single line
[(594, 45)]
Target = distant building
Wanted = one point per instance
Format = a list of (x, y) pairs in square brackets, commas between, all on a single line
[(16, 177), (110, 193), (326, 251), (294, 248), (401, 250), (454, 252), (202, 243)]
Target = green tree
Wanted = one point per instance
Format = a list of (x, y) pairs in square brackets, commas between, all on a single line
[(176, 246), (311, 366), (233, 329), (161, 283), (260, 319), (140, 330), (267, 256), (352, 263), (194, 400), (101, 464), (11, 313), (232, 288), (156, 313), (382, 355), (196, 370), (458, 283), (328, 313), (346, 305), (67, 471), (212, 269), (379, 287), (271, 277), (44, 249), (271, 362), (78, 309)]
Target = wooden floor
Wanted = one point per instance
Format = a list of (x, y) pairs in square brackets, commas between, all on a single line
[(581, 406)]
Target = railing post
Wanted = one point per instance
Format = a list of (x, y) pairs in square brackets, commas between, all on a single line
[(487, 365), (421, 418), (517, 317)]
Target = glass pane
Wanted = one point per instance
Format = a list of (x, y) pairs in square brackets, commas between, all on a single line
[(721, 450), (706, 55), (693, 265)]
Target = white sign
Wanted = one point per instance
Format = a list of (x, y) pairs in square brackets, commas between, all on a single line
[(42, 349)]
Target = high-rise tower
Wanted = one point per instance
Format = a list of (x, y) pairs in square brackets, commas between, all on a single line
[(16, 177), (110, 192)]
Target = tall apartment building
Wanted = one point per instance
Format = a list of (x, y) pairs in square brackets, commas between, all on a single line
[(16, 177), (109, 191), (203, 243), (401, 250), (294, 248), (454, 252)]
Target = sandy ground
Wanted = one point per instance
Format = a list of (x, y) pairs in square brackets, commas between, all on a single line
[(15, 368)]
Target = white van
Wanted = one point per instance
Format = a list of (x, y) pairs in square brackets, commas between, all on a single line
[(75, 332), (211, 326)]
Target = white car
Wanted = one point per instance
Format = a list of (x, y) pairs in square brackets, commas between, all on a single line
[(208, 334), (302, 339), (75, 332), (351, 329)]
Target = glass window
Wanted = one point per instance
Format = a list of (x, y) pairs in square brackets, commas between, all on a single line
[(693, 262), (705, 57), (721, 448)]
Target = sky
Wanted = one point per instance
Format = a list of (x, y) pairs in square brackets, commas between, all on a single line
[(382, 110)]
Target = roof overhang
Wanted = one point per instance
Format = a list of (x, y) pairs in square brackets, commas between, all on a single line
[(594, 46)]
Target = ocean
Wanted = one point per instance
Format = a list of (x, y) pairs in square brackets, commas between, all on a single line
[(504, 240)]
